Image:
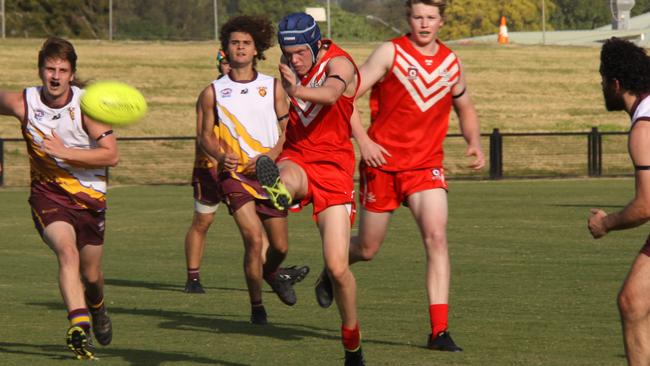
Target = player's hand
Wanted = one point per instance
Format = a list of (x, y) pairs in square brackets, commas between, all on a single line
[(53, 146), (476, 151), (289, 79), (229, 162), (596, 223), (373, 154)]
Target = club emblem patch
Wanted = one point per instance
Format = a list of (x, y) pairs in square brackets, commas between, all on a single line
[(262, 91)]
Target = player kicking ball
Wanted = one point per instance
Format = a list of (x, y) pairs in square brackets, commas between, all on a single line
[(317, 162)]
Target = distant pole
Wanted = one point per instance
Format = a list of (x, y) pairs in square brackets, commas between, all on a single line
[(216, 20), (543, 22), (110, 20), (329, 21), (2, 8)]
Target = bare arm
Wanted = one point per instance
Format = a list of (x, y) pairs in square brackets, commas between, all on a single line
[(373, 70), (103, 155), (371, 152), (344, 82), (12, 104), (469, 124), (208, 140), (376, 67), (637, 211)]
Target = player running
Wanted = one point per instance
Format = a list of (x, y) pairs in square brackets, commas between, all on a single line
[(625, 72), (249, 110), (415, 81), (69, 153), (317, 162)]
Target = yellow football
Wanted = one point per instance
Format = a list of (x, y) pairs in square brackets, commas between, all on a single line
[(113, 103)]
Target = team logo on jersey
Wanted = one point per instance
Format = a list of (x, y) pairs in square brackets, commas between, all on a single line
[(428, 61), (412, 73), (56, 116), (39, 114), (261, 90), (445, 75), (370, 197), (244, 91), (226, 93), (437, 174), (71, 111)]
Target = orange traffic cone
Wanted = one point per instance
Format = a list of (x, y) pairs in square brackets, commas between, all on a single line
[(503, 31)]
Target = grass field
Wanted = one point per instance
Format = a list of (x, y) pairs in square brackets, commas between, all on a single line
[(529, 285), (516, 88)]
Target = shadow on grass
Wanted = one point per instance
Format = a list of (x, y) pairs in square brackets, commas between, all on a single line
[(220, 324), (161, 286), (586, 205), (133, 356)]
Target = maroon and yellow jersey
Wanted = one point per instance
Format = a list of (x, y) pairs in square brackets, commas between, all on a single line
[(410, 107), (70, 186), (321, 133)]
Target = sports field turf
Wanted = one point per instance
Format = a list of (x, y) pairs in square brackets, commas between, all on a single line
[(529, 285)]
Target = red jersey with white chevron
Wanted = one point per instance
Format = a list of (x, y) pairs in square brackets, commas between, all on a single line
[(412, 105), (321, 132)]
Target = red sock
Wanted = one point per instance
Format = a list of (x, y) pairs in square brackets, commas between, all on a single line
[(438, 313), (351, 337)]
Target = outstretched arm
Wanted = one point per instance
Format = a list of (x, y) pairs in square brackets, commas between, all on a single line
[(12, 104), (637, 211)]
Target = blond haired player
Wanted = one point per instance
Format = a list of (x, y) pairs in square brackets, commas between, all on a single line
[(416, 80), (68, 155)]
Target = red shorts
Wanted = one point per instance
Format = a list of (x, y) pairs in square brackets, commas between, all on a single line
[(237, 193), (88, 225), (382, 191), (328, 185), (206, 187)]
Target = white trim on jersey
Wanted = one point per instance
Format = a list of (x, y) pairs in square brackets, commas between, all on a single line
[(426, 96), (308, 111)]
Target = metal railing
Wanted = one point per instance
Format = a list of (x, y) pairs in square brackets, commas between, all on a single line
[(169, 160)]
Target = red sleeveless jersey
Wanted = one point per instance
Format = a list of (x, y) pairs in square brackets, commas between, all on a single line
[(410, 106), (321, 133)]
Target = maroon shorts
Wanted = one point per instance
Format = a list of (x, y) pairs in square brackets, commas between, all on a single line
[(206, 187), (88, 225), (238, 192)]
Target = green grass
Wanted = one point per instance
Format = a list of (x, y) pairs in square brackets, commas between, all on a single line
[(529, 285)]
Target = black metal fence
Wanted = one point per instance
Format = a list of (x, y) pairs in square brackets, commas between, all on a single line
[(169, 160)]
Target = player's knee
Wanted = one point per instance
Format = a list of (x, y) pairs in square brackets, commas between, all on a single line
[(368, 252), (93, 278), (338, 273), (435, 240), (631, 306), (68, 255), (202, 223)]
